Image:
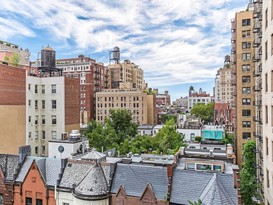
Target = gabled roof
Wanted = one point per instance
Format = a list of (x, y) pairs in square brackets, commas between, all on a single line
[(49, 168), (134, 179), (9, 165), (211, 188)]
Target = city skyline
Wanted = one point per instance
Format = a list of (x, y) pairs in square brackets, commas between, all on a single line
[(177, 45)]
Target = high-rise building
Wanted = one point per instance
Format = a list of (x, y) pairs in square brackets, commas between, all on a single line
[(91, 75), (53, 110), (242, 68), (125, 75), (223, 83), (266, 49), (198, 97)]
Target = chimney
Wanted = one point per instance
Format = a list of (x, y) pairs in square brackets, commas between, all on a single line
[(236, 178), (170, 175)]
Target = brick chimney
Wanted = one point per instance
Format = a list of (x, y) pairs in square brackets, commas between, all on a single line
[(236, 177)]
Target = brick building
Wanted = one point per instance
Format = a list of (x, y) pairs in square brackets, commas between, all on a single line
[(91, 75), (36, 181), (12, 108)]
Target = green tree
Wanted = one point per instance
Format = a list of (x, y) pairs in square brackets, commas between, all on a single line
[(121, 121), (205, 112), (248, 173), (229, 139), (166, 117), (15, 59), (168, 140)]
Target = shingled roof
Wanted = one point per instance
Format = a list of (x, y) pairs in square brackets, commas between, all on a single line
[(210, 188), (9, 165), (50, 169), (134, 179)]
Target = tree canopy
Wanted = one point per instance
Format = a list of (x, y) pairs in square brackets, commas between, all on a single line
[(204, 111), (248, 181), (120, 131)]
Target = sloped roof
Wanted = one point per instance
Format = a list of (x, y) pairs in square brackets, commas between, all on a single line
[(93, 185), (75, 171), (9, 165), (50, 169), (94, 156), (211, 188), (134, 179)]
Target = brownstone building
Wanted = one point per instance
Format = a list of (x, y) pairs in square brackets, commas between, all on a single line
[(12, 108)]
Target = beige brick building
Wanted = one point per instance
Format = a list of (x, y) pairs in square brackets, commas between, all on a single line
[(131, 99), (125, 75), (242, 54)]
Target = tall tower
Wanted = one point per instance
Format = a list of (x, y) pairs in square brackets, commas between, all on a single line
[(243, 80)]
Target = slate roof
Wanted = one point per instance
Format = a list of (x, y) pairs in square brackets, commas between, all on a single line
[(50, 169), (93, 185), (75, 171), (135, 178), (9, 165), (211, 188), (94, 156)]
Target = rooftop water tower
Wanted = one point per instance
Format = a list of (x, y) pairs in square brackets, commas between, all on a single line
[(114, 55)]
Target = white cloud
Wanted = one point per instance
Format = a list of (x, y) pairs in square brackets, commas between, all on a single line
[(174, 41)]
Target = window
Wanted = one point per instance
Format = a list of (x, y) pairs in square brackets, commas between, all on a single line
[(192, 136), (29, 87), (203, 167), (43, 134), (267, 178), (246, 124), (28, 201), (43, 104), (247, 135), (191, 166), (54, 104), (266, 146), (36, 135), (36, 104), (39, 202), (29, 119), (246, 101), (246, 45), (266, 82), (53, 88), (266, 114), (246, 22), (43, 89), (43, 149), (54, 135), (245, 56), (265, 50), (1, 199), (29, 135), (36, 119), (246, 79), (246, 90), (266, 18), (43, 119), (246, 67), (246, 113), (54, 119), (246, 34), (29, 103), (36, 88)]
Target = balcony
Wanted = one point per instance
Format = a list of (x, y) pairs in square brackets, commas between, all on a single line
[(256, 73), (256, 42), (257, 119), (256, 57), (233, 51), (257, 26), (257, 103)]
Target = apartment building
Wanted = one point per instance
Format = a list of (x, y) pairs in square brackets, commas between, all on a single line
[(7, 49), (53, 110), (125, 75), (267, 103), (242, 53), (91, 75), (198, 97), (12, 108), (132, 99)]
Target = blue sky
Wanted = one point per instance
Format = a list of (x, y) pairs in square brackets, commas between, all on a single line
[(177, 43)]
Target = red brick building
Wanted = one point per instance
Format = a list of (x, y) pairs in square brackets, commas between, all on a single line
[(91, 75)]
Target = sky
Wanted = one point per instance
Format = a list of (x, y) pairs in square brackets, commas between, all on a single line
[(178, 43)]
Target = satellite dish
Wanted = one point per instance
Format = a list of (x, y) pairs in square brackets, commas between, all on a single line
[(61, 149)]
